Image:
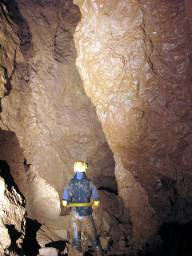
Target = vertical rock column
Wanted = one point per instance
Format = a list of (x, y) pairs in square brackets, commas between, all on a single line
[(113, 64), (134, 58)]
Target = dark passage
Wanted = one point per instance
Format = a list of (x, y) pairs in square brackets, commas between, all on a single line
[(22, 26), (6, 174), (176, 241), (14, 235), (30, 245)]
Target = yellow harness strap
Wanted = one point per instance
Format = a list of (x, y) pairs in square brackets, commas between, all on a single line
[(79, 204)]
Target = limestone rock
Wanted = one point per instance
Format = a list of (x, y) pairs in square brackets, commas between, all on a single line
[(47, 121), (52, 119), (135, 59), (129, 116), (55, 230), (2, 83), (48, 251), (12, 215)]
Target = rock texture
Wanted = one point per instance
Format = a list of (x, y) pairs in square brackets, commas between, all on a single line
[(48, 252), (129, 117), (47, 121), (135, 59), (12, 215), (47, 109)]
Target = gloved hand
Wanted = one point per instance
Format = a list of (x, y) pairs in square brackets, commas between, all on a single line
[(64, 203), (95, 204)]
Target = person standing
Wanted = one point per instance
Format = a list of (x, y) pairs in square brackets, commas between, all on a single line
[(82, 196)]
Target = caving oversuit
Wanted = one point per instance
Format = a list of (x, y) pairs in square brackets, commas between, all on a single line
[(82, 190)]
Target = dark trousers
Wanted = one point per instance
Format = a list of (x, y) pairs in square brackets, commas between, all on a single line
[(88, 224)]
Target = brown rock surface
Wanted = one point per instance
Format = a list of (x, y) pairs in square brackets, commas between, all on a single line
[(47, 109), (48, 252), (12, 213), (47, 121), (135, 58)]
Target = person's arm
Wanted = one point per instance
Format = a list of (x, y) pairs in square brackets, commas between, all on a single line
[(65, 197), (95, 196)]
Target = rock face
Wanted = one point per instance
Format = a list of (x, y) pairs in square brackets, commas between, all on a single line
[(135, 58), (48, 252), (12, 214), (47, 121), (53, 120), (129, 117)]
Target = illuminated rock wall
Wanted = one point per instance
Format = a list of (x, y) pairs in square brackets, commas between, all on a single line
[(51, 121), (135, 61)]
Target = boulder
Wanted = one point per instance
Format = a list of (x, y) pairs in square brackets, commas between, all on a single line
[(48, 251)]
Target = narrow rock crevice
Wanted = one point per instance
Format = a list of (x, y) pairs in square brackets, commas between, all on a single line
[(22, 27), (109, 190), (30, 245), (14, 236), (12, 212)]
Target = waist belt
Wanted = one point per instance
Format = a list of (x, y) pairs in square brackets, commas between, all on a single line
[(79, 204)]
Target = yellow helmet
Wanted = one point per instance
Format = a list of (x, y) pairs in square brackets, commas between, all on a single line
[(80, 166)]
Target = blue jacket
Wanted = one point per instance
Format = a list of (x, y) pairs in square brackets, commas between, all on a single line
[(81, 190)]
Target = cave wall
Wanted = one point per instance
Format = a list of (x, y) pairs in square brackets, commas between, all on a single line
[(134, 58), (44, 104), (12, 210)]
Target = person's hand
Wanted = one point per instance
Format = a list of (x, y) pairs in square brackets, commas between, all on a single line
[(95, 204), (64, 203)]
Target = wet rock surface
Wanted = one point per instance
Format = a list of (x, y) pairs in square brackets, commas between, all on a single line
[(51, 113), (135, 59), (129, 117), (47, 121)]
